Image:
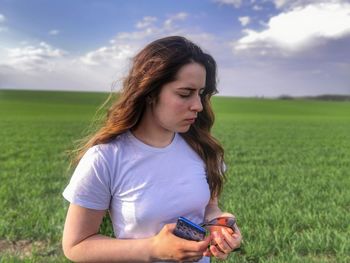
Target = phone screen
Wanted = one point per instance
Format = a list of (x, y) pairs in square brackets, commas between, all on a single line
[(189, 230)]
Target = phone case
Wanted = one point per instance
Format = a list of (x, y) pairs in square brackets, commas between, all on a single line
[(189, 230)]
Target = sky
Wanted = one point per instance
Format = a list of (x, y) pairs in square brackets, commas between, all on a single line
[(265, 48)]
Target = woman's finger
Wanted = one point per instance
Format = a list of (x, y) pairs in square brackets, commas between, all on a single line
[(207, 253), (217, 253), (232, 240), (221, 242), (198, 246), (237, 235)]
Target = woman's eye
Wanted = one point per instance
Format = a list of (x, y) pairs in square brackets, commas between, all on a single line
[(182, 95)]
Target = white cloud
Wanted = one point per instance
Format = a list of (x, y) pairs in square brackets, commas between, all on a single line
[(280, 3), (290, 4), (2, 18), (273, 80), (244, 20), (257, 7), (54, 32), (235, 3), (126, 44), (42, 66), (135, 35), (66, 76), (109, 55), (146, 22), (33, 57), (177, 17), (301, 27)]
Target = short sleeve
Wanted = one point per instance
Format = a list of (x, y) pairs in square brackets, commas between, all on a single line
[(89, 186)]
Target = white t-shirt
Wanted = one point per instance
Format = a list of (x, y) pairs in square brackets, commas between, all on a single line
[(143, 187)]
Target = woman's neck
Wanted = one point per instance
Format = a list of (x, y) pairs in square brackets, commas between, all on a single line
[(152, 134)]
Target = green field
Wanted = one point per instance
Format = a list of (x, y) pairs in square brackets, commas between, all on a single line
[(288, 177)]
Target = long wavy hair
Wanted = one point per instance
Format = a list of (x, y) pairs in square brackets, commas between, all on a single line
[(154, 66)]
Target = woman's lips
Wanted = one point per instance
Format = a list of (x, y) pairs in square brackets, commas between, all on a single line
[(191, 120)]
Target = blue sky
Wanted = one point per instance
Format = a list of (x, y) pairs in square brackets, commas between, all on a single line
[(263, 48)]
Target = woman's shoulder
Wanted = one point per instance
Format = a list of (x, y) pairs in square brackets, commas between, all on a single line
[(113, 146), (107, 150)]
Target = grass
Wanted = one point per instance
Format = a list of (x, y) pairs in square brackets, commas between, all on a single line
[(288, 176)]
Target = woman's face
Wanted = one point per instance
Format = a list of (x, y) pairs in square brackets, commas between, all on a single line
[(179, 101)]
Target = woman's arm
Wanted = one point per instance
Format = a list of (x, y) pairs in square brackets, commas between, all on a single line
[(82, 243), (212, 210)]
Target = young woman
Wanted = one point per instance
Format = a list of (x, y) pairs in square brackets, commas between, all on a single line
[(153, 161)]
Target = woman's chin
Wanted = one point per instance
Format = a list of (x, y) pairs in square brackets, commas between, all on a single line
[(183, 129)]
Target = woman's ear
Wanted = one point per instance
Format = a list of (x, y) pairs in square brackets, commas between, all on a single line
[(149, 99)]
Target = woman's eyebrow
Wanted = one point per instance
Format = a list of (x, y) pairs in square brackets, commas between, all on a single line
[(191, 88)]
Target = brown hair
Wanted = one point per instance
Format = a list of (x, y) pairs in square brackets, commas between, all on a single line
[(154, 66)]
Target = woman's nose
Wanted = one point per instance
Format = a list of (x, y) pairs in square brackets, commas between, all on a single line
[(197, 104)]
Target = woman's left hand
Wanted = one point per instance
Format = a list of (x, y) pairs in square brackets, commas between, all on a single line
[(223, 241)]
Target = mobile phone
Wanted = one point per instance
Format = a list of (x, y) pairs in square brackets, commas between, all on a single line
[(189, 230)]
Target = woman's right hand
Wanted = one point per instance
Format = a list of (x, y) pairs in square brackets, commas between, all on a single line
[(168, 247)]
